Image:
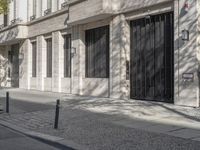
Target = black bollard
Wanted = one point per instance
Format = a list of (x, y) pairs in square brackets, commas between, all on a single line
[(7, 102), (57, 114)]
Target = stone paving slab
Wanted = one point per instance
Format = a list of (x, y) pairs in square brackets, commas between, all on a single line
[(185, 133)]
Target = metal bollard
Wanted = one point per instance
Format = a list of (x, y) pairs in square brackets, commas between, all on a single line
[(57, 114), (7, 102)]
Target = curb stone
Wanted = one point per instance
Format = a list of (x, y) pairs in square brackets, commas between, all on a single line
[(44, 137)]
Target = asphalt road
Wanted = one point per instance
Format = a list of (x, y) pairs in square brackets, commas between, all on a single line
[(12, 140)]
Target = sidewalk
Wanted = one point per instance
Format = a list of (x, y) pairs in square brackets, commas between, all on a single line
[(31, 96), (150, 111), (102, 123)]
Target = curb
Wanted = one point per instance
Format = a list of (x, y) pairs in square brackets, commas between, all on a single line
[(44, 137)]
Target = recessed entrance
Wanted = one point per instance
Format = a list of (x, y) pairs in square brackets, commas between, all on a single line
[(13, 67), (152, 58)]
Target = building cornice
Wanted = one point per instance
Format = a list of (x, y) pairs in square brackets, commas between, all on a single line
[(51, 15)]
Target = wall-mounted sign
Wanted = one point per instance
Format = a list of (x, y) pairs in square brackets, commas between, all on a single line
[(189, 77)]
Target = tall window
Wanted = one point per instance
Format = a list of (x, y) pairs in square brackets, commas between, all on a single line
[(67, 55), (49, 57), (97, 52), (15, 9), (49, 2), (57, 4), (34, 59), (5, 20), (34, 7)]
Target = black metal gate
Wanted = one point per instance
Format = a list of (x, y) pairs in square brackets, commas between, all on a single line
[(152, 62)]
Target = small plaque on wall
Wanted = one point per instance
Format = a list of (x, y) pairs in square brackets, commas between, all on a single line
[(188, 77)]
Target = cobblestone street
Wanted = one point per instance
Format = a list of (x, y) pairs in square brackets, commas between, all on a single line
[(84, 122)]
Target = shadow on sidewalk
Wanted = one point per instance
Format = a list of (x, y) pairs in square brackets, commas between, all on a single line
[(116, 106)]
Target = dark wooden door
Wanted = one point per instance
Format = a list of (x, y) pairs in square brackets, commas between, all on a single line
[(152, 62)]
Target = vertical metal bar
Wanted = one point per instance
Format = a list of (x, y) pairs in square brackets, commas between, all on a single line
[(7, 102), (57, 114)]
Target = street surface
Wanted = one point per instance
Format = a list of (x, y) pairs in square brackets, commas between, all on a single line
[(12, 140), (89, 124)]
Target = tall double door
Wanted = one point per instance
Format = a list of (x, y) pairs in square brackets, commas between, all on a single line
[(152, 58)]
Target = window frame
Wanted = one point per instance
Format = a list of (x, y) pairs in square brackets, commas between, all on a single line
[(67, 50), (34, 7), (49, 4), (34, 59), (49, 58), (97, 45), (14, 9)]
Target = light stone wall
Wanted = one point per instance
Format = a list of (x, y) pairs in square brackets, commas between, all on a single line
[(1, 19), (186, 93), (119, 54), (78, 13), (41, 61), (130, 5), (56, 67), (77, 40), (13, 33), (48, 25), (3, 66), (23, 64), (186, 54)]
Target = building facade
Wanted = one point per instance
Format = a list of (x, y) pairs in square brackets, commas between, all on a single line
[(146, 50)]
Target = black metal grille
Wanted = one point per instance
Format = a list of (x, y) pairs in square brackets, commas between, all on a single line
[(152, 62), (49, 57), (67, 55), (34, 59), (97, 52)]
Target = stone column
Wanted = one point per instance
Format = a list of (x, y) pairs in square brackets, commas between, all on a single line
[(41, 62), (77, 60), (3, 66), (119, 54), (56, 66), (185, 52), (23, 65), (29, 62)]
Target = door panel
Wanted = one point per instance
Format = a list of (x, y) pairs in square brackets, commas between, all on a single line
[(152, 58)]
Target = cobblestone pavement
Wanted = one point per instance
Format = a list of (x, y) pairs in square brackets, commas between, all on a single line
[(106, 124), (98, 131)]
